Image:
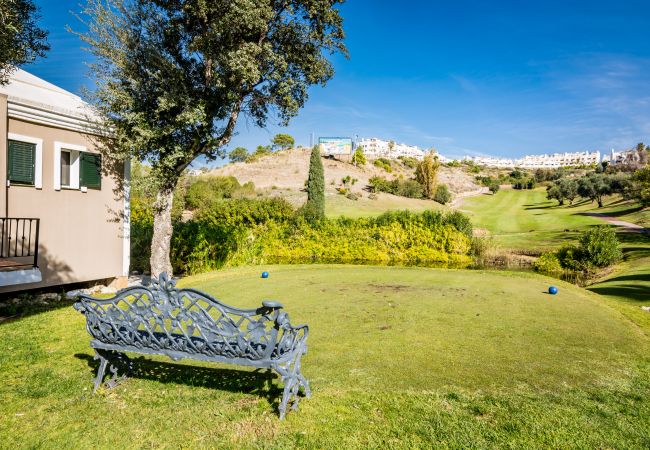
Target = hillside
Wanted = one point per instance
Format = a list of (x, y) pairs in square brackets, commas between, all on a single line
[(288, 170)]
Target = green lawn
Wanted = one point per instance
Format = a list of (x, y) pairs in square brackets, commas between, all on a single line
[(338, 205), (628, 211), (398, 357), (526, 219)]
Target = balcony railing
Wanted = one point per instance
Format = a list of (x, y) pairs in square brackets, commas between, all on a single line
[(18, 242)]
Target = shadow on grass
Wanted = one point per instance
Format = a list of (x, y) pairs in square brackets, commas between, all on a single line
[(623, 212), (529, 207), (258, 382), (25, 307), (629, 291)]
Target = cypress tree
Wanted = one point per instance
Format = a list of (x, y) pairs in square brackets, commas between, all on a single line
[(315, 206)]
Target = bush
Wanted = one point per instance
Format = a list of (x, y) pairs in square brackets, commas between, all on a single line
[(207, 191), (600, 247), (548, 263), (384, 164), (494, 188), (409, 161), (397, 186), (461, 222), (257, 231), (260, 151), (442, 195), (358, 158), (408, 188)]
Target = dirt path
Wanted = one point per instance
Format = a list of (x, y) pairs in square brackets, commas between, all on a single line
[(628, 226), (458, 198)]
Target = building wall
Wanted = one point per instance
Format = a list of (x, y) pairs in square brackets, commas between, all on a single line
[(81, 233), (3, 151)]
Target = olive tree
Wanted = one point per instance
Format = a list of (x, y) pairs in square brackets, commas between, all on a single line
[(174, 76), (21, 39)]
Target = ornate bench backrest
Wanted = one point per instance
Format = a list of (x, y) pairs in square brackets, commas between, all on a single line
[(160, 317)]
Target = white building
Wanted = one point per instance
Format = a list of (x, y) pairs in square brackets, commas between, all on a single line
[(490, 161), (557, 160), (547, 161), (379, 148), (621, 157)]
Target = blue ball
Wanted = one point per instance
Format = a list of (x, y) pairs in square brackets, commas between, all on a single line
[(265, 274), (552, 290)]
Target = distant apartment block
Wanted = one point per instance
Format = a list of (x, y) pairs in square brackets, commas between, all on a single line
[(549, 161), (379, 148)]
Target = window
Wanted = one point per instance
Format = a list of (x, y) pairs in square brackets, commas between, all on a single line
[(76, 168), (90, 174), (65, 168), (21, 162)]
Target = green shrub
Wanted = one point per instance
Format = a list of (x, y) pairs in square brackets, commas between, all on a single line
[(397, 186), (409, 161), (442, 195), (409, 188), (247, 212), (600, 247), (205, 192), (548, 263), (384, 164), (570, 258), (460, 221), (256, 231)]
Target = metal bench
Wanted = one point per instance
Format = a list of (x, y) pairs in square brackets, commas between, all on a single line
[(159, 319)]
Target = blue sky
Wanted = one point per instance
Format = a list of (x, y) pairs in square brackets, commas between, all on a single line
[(467, 77)]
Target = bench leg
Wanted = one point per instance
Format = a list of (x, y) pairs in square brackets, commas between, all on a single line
[(115, 362), (103, 362), (293, 380)]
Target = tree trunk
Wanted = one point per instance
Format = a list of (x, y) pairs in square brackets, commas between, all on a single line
[(600, 202), (162, 233)]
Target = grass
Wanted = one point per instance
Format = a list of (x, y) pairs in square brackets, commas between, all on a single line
[(526, 219), (398, 357), (338, 205), (627, 210)]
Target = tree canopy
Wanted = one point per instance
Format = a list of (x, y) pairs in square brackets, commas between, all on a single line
[(239, 154), (426, 174), (174, 76), (283, 141), (21, 39)]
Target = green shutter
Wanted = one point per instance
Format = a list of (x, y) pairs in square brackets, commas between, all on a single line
[(90, 173), (20, 164)]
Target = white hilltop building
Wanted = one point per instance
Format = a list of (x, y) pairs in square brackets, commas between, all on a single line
[(621, 157), (546, 161), (379, 148)]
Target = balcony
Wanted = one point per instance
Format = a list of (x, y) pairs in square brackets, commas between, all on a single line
[(19, 251)]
